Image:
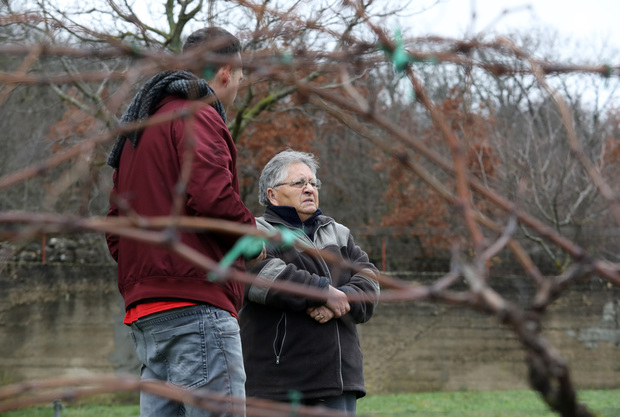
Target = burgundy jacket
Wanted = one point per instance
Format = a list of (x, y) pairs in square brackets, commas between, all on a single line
[(146, 181)]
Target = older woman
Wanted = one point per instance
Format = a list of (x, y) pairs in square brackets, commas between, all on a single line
[(295, 344)]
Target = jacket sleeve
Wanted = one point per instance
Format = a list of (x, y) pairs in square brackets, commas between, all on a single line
[(274, 268), (362, 283), (213, 188), (111, 239)]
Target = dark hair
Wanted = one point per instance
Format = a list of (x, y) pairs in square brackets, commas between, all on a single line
[(213, 39)]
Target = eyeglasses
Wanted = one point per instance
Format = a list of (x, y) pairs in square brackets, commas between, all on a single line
[(301, 183)]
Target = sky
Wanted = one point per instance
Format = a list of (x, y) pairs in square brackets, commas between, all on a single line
[(588, 20), (592, 21)]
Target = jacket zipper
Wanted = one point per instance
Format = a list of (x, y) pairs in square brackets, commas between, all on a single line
[(340, 356), (337, 328), (277, 352)]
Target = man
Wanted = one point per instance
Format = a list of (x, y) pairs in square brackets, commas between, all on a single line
[(184, 327), (293, 343)]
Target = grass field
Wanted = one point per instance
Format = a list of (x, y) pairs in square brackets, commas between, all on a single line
[(480, 404), (606, 403)]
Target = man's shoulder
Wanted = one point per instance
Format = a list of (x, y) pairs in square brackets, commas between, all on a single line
[(331, 232), (206, 117), (263, 224), (171, 103)]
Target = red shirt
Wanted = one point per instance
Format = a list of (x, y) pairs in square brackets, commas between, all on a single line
[(143, 310)]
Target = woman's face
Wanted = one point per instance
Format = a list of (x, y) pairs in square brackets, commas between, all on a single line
[(305, 200)]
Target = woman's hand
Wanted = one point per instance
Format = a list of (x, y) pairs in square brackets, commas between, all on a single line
[(337, 302), (337, 306), (321, 314)]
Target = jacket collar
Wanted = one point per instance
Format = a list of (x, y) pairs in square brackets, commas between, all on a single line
[(288, 216)]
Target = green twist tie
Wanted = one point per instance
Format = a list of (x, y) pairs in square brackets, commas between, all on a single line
[(294, 398), (209, 72), (249, 246), (135, 49), (400, 57), (285, 58), (289, 237)]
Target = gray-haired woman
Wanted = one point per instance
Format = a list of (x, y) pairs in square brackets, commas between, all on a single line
[(298, 344)]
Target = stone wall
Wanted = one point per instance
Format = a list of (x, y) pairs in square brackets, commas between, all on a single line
[(430, 347), (58, 320)]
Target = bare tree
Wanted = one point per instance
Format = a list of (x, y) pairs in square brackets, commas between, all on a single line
[(314, 58)]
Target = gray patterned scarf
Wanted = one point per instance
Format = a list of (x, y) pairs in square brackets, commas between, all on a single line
[(168, 83)]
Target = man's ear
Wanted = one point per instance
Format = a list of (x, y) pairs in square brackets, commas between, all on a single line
[(271, 195), (224, 74)]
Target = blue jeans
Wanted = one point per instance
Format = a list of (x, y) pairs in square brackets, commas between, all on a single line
[(190, 347)]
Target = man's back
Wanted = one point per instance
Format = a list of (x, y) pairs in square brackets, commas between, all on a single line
[(148, 178)]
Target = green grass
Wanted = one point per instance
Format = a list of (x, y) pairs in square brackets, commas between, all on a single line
[(439, 404), (479, 404), (82, 411)]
